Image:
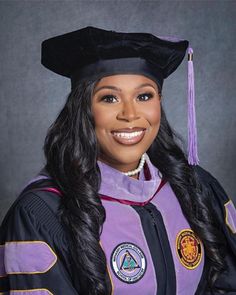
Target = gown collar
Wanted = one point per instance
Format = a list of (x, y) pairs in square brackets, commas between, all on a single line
[(119, 186)]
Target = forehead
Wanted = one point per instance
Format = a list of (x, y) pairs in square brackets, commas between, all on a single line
[(125, 81)]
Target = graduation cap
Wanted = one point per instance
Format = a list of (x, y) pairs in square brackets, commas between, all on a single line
[(92, 52)]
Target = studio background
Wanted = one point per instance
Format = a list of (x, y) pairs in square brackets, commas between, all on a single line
[(31, 96)]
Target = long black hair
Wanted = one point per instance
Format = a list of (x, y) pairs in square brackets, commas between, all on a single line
[(71, 151)]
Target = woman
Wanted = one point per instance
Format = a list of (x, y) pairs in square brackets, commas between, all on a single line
[(117, 209)]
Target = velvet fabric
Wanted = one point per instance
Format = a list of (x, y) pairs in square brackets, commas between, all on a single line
[(73, 54)]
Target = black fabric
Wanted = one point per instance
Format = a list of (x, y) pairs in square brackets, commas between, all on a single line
[(35, 216), (42, 183), (157, 239), (75, 54), (215, 193), (31, 219), (131, 65)]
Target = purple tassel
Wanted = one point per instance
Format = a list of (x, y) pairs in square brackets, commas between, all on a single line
[(192, 129)]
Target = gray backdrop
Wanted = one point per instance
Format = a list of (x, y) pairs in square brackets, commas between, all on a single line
[(31, 96)]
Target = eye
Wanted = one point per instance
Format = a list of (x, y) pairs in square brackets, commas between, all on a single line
[(145, 96), (109, 98)]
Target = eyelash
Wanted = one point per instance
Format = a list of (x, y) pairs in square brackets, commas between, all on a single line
[(105, 97)]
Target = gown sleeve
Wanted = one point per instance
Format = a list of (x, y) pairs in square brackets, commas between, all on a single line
[(34, 258), (225, 215)]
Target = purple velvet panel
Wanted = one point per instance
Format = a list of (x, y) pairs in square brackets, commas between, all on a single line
[(120, 186), (186, 279), (231, 216), (2, 266), (123, 225), (28, 257), (28, 292)]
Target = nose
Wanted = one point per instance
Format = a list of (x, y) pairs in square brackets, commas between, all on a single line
[(128, 112)]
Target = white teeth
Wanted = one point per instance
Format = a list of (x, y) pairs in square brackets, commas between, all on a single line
[(127, 134)]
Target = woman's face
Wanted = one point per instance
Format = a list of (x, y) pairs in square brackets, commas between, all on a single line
[(126, 110)]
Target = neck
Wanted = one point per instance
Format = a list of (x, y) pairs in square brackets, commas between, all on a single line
[(134, 172), (119, 166)]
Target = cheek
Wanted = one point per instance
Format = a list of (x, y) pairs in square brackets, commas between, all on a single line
[(99, 116), (103, 122), (153, 115)]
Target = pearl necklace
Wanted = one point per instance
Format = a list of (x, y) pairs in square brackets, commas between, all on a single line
[(137, 170)]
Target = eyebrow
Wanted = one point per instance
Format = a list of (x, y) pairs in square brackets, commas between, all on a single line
[(120, 90)]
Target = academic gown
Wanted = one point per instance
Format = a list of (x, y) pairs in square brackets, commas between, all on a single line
[(149, 245)]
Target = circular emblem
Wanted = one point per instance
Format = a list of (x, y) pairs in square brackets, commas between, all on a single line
[(189, 248), (128, 262)]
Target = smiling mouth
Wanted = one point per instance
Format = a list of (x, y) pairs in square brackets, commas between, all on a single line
[(128, 138)]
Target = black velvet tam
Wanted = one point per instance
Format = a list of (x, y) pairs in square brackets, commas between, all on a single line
[(94, 53)]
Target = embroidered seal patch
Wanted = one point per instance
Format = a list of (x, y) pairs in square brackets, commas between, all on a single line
[(128, 262), (189, 249)]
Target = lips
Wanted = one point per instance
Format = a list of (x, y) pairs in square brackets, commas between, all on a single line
[(128, 136)]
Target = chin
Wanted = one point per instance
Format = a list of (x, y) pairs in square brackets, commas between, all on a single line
[(125, 158)]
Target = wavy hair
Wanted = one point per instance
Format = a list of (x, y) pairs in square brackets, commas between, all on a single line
[(71, 151)]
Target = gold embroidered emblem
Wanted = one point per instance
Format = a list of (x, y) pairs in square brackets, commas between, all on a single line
[(189, 249)]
